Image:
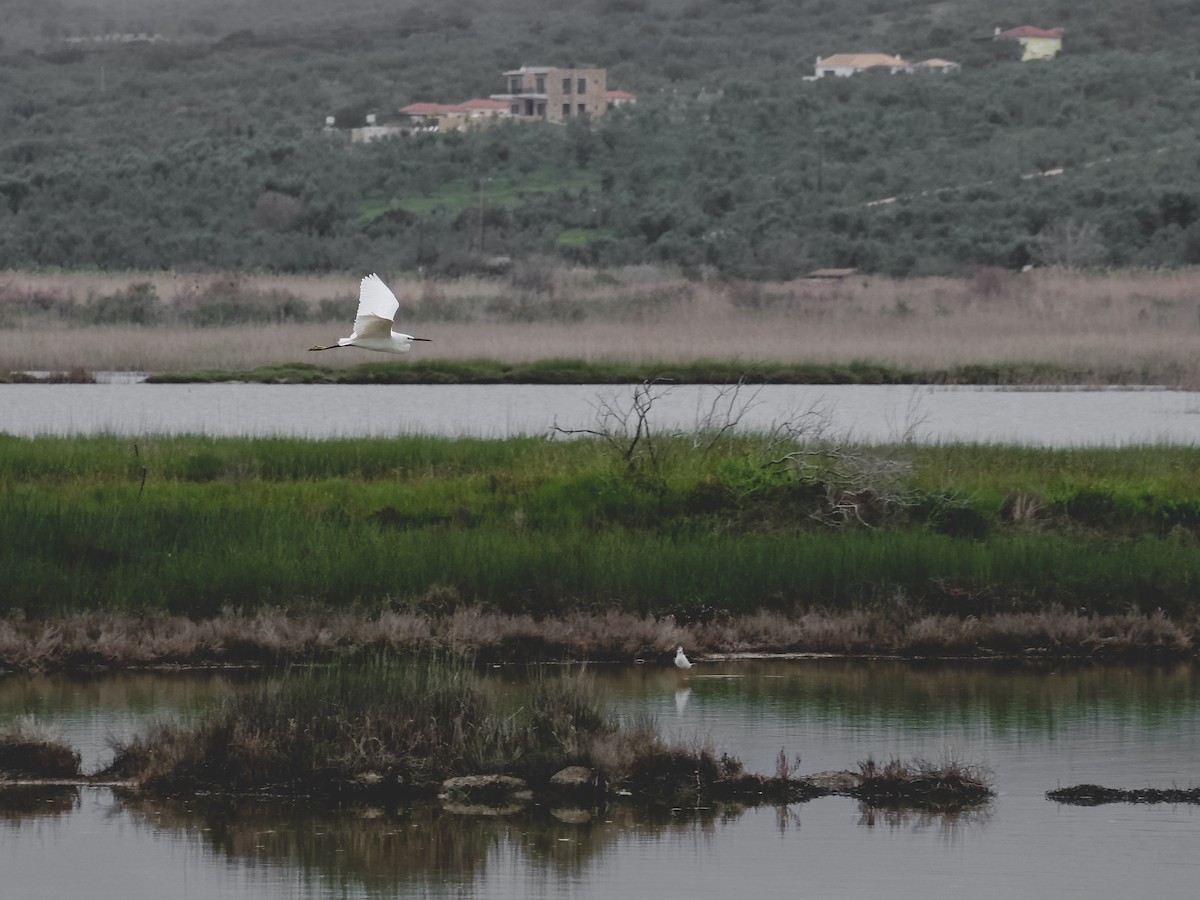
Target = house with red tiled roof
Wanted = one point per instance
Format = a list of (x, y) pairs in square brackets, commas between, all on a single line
[(842, 65), (619, 98), (1036, 43), (536, 93)]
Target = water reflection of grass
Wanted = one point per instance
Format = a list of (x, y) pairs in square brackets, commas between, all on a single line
[(391, 848), (1008, 697)]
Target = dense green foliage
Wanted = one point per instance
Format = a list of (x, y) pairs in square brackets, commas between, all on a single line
[(193, 525), (210, 152)]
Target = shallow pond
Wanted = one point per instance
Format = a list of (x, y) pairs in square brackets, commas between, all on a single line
[(1035, 728), (1060, 418)]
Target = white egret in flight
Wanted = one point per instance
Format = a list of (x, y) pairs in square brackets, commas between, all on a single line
[(682, 661), (373, 324)]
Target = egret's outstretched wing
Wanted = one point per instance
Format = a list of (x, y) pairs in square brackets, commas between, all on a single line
[(376, 309)]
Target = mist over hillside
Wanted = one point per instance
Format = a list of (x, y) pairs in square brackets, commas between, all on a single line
[(163, 133)]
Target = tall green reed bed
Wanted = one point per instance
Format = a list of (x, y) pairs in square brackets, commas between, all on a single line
[(193, 525)]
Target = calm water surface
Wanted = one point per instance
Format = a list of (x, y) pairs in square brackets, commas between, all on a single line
[(1036, 728), (870, 413)]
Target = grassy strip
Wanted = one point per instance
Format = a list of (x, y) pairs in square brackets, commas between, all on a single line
[(578, 371), (897, 549)]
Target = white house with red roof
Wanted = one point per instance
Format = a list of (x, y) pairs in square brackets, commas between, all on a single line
[(1036, 43), (843, 65)]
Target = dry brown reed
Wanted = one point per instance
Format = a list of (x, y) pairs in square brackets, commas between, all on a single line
[(110, 640), (1135, 326)]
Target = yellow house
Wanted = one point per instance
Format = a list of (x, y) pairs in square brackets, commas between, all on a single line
[(1037, 43)]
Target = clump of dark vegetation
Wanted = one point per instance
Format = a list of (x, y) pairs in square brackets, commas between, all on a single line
[(689, 776), (386, 726), (74, 375), (27, 751), (392, 728), (946, 786), (1095, 795)]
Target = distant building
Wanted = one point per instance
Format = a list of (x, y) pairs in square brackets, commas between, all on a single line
[(372, 132), (937, 67), (620, 98), (454, 116), (843, 65), (535, 93), (1037, 43), (555, 95)]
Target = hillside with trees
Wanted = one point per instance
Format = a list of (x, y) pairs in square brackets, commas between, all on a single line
[(201, 143)]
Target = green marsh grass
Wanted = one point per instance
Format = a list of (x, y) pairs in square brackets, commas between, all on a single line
[(528, 526)]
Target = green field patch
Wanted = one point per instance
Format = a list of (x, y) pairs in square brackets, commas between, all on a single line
[(582, 237), (503, 191)]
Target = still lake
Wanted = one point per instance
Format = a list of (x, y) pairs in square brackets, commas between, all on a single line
[(1035, 728), (872, 413)]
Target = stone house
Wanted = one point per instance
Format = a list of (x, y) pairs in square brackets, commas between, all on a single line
[(555, 95)]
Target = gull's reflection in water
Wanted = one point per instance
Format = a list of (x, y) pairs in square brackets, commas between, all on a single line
[(681, 699)]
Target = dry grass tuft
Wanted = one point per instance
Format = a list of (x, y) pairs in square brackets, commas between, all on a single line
[(944, 785), (30, 750)]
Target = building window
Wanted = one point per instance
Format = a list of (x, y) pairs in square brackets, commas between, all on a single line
[(566, 85), (514, 84), (541, 84), (541, 109), (515, 109), (566, 110), (582, 110), (581, 86)]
